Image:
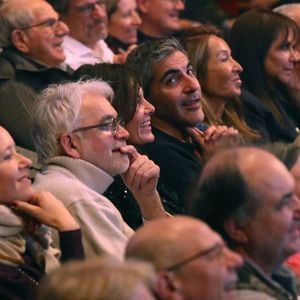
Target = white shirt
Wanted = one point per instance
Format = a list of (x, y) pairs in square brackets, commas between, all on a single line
[(78, 54)]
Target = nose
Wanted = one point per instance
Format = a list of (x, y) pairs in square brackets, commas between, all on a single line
[(149, 108), (121, 134), (191, 84), (136, 20), (99, 11), (62, 28), (233, 260), (236, 66), (180, 5), (24, 162)]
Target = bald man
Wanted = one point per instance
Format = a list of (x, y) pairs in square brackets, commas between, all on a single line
[(192, 260), (248, 196)]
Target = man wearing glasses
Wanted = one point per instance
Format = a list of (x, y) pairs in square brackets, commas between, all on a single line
[(87, 21), (32, 58), (191, 260), (82, 145), (160, 18)]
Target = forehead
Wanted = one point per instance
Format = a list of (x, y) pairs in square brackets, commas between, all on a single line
[(216, 44), (80, 2), (42, 10), (5, 139), (269, 179), (176, 61), (96, 106)]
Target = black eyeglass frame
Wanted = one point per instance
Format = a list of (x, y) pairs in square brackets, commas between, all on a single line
[(216, 248)]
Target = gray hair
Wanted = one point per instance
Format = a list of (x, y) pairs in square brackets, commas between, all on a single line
[(13, 14), (144, 56), (57, 112)]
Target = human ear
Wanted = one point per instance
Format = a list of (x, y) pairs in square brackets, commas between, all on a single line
[(235, 231), (143, 6), (20, 40), (168, 287), (69, 145)]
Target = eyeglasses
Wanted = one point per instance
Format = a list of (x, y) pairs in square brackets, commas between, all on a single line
[(89, 7), (112, 125), (51, 23), (216, 250)]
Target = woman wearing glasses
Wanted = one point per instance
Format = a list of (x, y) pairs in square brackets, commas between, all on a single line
[(135, 111), (26, 253)]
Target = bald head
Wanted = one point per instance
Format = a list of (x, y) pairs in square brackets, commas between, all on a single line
[(290, 10), (165, 241), (233, 184)]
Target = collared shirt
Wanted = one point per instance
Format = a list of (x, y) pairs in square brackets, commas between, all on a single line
[(253, 283), (78, 54)]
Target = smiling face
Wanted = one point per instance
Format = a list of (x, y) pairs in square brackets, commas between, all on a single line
[(161, 16), (97, 146), (14, 172), (222, 78), (175, 92), (88, 24), (281, 58), (123, 23), (139, 127), (44, 42)]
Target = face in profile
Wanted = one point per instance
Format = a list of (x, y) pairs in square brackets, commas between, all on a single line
[(100, 146), (44, 41), (123, 22), (222, 79), (212, 273), (139, 127), (163, 15), (14, 172), (281, 58)]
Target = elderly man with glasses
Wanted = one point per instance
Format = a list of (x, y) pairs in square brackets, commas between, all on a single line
[(87, 21), (191, 259), (81, 145), (32, 58)]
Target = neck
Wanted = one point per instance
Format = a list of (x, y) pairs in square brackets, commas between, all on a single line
[(216, 105), (265, 264), (151, 30), (168, 128)]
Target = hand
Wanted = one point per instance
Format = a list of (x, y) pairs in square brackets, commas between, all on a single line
[(43, 207), (122, 56), (214, 139), (141, 178)]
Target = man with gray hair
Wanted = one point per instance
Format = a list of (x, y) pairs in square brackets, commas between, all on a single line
[(31, 37), (248, 196), (81, 145)]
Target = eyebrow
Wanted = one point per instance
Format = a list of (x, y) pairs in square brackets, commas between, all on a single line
[(285, 199), (173, 71)]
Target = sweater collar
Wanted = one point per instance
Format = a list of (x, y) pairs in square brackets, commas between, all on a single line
[(92, 176)]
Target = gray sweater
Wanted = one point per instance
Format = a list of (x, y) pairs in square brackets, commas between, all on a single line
[(79, 185)]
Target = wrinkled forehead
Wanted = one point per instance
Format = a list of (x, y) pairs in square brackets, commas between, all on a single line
[(42, 10)]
